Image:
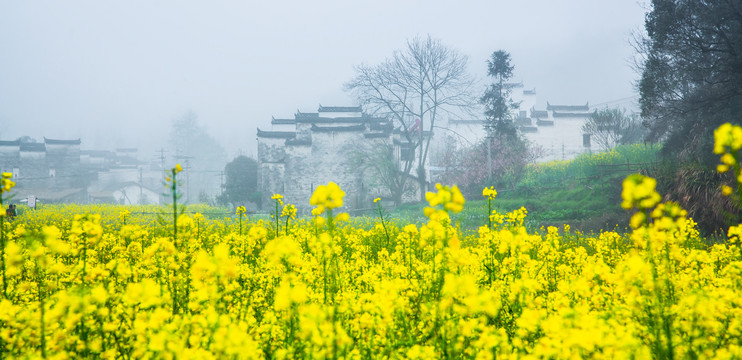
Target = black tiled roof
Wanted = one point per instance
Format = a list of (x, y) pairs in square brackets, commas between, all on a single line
[(585, 107), (276, 134), (357, 120), (61, 142), (540, 122), (302, 115), (275, 121), (339, 109), (326, 120)]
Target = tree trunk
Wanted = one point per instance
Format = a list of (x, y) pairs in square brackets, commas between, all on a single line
[(422, 182)]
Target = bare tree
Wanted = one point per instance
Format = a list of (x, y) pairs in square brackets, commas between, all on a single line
[(383, 170), (414, 87), (612, 127)]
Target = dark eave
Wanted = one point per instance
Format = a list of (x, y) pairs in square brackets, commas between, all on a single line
[(540, 122), (339, 109), (301, 115), (353, 120), (61, 142), (275, 121), (276, 134), (326, 120), (585, 107), (10, 142)]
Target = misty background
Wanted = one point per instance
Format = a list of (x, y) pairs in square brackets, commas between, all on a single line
[(117, 74)]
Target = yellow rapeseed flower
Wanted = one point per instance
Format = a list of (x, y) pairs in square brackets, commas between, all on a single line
[(450, 197), (289, 211), (5, 183), (489, 193), (329, 196), (639, 191), (343, 217)]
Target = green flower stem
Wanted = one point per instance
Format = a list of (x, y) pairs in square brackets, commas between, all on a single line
[(383, 223)]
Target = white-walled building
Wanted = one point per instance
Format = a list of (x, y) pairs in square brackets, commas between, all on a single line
[(556, 128), (313, 149)]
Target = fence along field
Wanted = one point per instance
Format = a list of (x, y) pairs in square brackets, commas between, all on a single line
[(78, 284)]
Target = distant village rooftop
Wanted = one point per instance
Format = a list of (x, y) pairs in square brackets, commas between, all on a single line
[(61, 142), (585, 107), (339, 109)]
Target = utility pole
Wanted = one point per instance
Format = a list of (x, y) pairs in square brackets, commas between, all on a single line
[(162, 158), (489, 159), (140, 186), (188, 181), (187, 168)]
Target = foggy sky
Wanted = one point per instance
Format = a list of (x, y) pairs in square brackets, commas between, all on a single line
[(116, 73)]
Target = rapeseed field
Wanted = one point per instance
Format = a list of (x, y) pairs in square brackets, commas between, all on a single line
[(103, 282)]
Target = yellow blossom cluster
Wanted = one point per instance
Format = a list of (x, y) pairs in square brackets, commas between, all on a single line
[(727, 138), (326, 197), (450, 197), (289, 211), (489, 193), (6, 183), (639, 191), (727, 143)]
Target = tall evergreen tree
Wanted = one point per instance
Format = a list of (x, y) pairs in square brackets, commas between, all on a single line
[(496, 99)]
